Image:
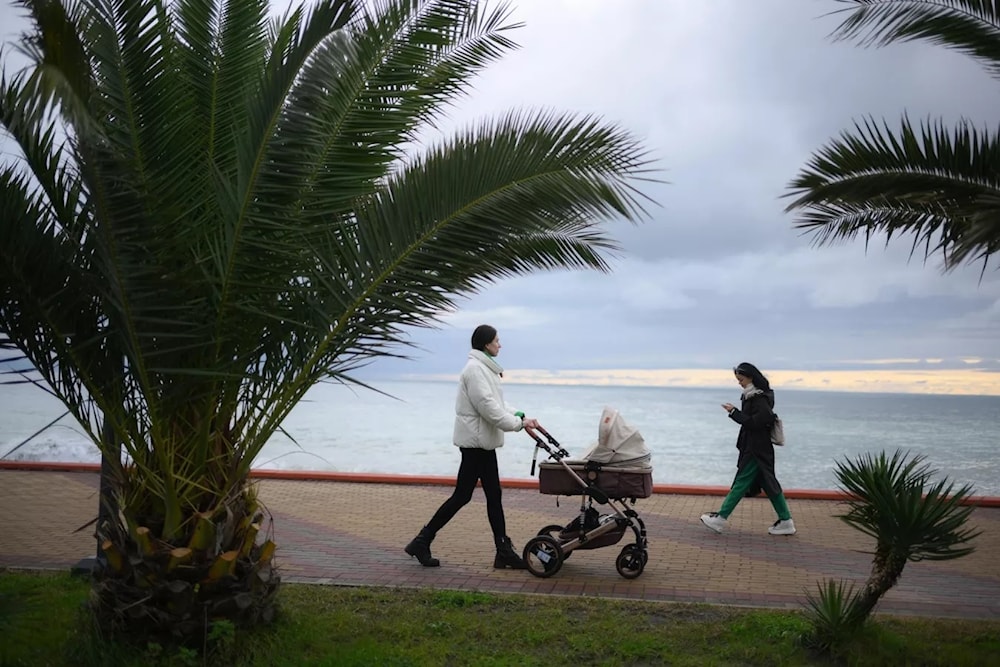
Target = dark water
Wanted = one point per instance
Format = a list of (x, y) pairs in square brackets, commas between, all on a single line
[(691, 439)]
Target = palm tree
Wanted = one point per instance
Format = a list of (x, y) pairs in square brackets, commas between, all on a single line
[(893, 500), (213, 211), (939, 186)]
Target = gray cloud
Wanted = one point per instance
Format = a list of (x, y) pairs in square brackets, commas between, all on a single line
[(731, 97)]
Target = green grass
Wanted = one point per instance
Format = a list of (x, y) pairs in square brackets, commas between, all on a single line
[(42, 623)]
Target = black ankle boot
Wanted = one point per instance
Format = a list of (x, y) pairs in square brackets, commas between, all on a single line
[(506, 556), (420, 548)]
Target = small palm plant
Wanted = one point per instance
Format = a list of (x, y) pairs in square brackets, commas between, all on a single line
[(834, 613), (893, 500)]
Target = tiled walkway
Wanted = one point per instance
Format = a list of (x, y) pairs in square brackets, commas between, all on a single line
[(347, 533)]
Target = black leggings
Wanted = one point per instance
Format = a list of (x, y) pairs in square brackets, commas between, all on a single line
[(477, 464)]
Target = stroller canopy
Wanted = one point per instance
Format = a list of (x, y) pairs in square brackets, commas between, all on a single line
[(618, 444)]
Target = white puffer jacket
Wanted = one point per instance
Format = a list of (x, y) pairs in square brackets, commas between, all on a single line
[(481, 416)]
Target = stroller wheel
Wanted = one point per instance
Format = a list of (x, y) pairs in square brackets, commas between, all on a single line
[(553, 531), (551, 528), (543, 556), (631, 561)]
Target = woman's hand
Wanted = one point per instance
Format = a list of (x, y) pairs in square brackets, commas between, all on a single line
[(531, 423), (728, 407)]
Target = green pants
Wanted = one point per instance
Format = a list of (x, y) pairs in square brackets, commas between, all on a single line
[(744, 478)]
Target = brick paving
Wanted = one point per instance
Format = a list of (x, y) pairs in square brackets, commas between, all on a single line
[(352, 534)]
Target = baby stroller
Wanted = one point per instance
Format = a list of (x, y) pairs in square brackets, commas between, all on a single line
[(615, 469)]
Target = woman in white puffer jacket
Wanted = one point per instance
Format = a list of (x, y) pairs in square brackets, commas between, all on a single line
[(481, 418)]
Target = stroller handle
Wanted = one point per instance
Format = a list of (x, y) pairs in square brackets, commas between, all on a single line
[(552, 447), (533, 432)]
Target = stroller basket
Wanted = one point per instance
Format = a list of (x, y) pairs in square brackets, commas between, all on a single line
[(616, 482), (606, 540), (591, 520)]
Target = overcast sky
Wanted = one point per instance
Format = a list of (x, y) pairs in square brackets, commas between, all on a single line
[(732, 97)]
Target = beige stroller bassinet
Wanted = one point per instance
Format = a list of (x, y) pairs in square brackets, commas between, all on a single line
[(618, 464)]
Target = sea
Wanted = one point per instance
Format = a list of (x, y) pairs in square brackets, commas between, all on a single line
[(406, 429)]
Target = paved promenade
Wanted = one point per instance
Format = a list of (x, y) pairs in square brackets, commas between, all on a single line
[(352, 533)]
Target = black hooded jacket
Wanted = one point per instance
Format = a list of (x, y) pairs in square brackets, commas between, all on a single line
[(755, 417)]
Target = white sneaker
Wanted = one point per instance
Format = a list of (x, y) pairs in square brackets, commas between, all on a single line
[(786, 527), (714, 521)]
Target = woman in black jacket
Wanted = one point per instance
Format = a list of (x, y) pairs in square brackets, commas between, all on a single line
[(756, 463)]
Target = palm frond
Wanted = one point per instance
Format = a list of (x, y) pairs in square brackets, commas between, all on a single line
[(971, 27), (893, 500), (50, 169), (928, 182), (523, 193), (62, 73), (48, 312)]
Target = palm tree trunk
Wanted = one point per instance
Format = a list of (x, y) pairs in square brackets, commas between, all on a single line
[(107, 506), (886, 570)]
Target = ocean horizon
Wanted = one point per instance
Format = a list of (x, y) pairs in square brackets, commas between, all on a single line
[(344, 429)]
